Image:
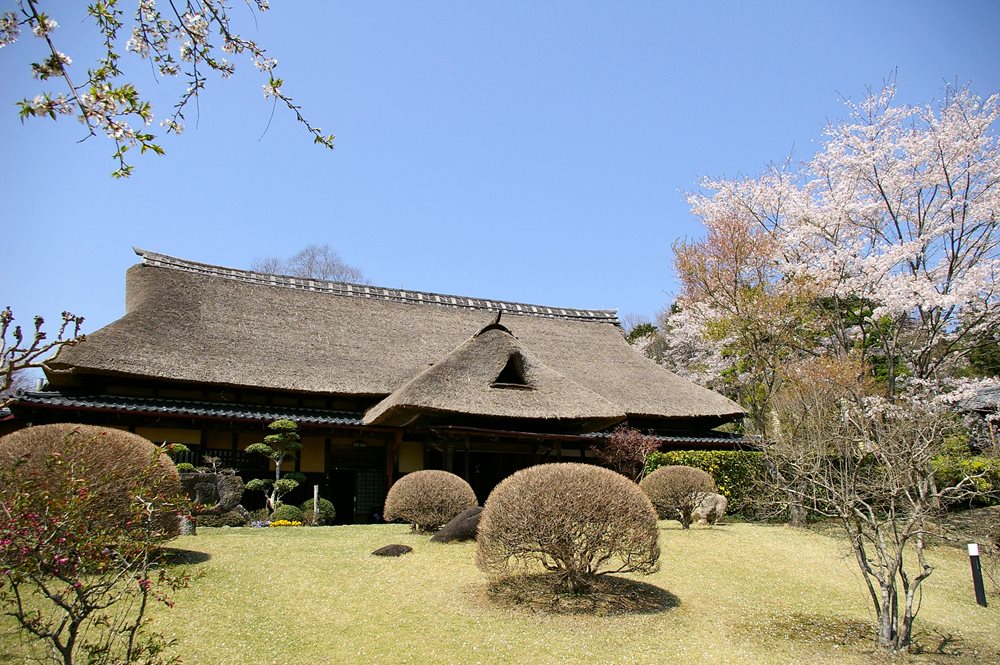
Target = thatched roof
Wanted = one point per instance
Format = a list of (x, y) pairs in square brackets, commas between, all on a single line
[(494, 376), (201, 324)]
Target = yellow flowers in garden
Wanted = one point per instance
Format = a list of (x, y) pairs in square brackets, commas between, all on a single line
[(284, 523)]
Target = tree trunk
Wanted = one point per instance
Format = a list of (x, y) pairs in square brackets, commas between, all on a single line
[(887, 627), (796, 511), (575, 582)]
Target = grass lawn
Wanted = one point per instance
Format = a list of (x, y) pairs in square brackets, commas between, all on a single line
[(740, 593)]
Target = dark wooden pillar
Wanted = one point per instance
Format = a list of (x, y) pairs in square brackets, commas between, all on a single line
[(391, 451), (466, 459)]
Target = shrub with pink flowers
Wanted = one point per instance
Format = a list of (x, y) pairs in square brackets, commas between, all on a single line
[(81, 586)]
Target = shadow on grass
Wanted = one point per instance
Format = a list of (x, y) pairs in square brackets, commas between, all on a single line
[(815, 628), (674, 525), (607, 596), (932, 644), (175, 556), (952, 648), (7, 656)]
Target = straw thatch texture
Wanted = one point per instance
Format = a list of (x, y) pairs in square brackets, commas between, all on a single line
[(465, 382), (235, 330)]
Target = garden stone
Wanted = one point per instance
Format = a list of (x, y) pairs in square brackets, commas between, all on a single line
[(188, 527), (393, 550), (710, 509), (462, 527), (214, 493)]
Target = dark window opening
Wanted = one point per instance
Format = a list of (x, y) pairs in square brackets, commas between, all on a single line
[(512, 374)]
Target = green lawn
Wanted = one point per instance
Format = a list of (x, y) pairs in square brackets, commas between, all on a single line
[(743, 594)]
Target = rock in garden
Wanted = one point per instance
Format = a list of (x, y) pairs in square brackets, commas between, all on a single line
[(214, 493), (710, 509), (188, 527), (462, 527), (393, 550)]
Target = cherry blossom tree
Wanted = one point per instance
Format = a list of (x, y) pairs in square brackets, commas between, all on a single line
[(843, 301), (737, 303), (885, 246), (185, 40)]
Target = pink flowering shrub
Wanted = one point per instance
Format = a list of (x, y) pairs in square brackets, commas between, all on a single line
[(78, 583)]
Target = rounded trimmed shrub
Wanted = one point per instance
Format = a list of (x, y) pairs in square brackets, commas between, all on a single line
[(740, 475), (428, 499), (114, 465), (185, 467), (676, 490), (327, 513), (576, 519), (287, 511), (297, 476)]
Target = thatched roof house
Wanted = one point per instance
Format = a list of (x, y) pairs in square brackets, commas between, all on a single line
[(416, 375)]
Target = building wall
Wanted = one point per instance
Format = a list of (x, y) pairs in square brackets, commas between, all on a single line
[(189, 437)]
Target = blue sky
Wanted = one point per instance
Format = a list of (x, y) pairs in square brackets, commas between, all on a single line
[(525, 151)]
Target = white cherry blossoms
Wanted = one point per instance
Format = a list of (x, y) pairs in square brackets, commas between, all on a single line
[(187, 39)]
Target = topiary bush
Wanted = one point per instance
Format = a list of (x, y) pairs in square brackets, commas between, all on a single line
[(738, 474), (428, 499), (286, 511), (575, 519), (676, 490), (84, 514), (327, 513), (114, 464)]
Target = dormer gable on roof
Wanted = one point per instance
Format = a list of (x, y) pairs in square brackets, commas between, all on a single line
[(493, 375)]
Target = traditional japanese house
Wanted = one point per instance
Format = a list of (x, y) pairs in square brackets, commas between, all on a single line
[(381, 381)]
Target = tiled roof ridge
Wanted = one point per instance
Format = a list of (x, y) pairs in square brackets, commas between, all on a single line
[(348, 289), (163, 405)]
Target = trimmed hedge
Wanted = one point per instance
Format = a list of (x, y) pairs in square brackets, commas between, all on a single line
[(327, 513), (579, 520), (113, 465), (736, 473), (287, 511), (428, 499), (232, 518)]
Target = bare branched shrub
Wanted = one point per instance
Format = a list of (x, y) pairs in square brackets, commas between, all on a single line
[(677, 490), (575, 519), (112, 460), (868, 464), (428, 499), (626, 451)]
